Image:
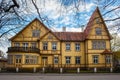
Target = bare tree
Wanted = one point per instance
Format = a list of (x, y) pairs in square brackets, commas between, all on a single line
[(15, 14)]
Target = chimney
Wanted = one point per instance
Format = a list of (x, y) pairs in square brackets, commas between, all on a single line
[(64, 29), (82, 27)]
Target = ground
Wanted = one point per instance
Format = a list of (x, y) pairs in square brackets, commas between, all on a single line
[(39, 76)]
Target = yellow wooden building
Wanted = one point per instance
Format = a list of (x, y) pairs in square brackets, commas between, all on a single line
[(36, 46)]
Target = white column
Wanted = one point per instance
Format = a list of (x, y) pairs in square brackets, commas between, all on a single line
[(17, 69), (61, 70), (43, 69), (34, 69), (0, 69), (111, 69), (78, 70), (95, 69)]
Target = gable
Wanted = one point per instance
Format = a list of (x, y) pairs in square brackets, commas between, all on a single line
[(26, 34), (96, 21), (50, 36)]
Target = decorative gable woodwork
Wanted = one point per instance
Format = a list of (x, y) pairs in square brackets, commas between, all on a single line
[(96, 23)]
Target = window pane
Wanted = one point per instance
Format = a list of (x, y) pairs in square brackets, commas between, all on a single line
[(77, 60), (100, 44), (77, 46), (95, 59), (45, 46), (54, 46), (16, 44), (98, 31), (68, 60), (67, 46), (35, 33), (33, 45), (108, 59), (56, 60)]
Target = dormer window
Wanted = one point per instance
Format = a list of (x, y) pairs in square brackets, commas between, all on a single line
[(98, 31), (36, 33)]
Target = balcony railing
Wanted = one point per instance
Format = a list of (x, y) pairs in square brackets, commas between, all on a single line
[(24, 49)]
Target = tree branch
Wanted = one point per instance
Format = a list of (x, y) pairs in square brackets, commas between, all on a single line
[(111, 10), (15, 4)]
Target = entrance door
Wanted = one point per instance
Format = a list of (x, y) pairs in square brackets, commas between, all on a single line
[(44, 61), (18, 59)]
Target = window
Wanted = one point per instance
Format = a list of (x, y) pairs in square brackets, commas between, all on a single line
[(45, 46), (55, 60), (67, 46), (77, 60), (68, 59), (95, 59), (98, 31), (98, 44), (54, 46), (18, 58), (77, 47), (35, 33), (16, 44), (10, 59), (31, 59), (97, 20), (108, 59), (25, 44), (33, 45)]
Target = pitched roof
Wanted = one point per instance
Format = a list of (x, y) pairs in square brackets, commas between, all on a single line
[(36, 19), (90, 23), (70, 36), (106, 51)]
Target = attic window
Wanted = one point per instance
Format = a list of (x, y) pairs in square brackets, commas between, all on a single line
[(97, 20), (35, 33), (98, 31)]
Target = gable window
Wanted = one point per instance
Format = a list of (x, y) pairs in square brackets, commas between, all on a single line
[(36, 33), (98, 31), (45, 46), (68, 59), (97, 20), (33, 45), (54, 46), (55, 60), (95, 59), (67, 46), (77, 46), (98, 44), (77, 60), (108, 59), (16, 44)]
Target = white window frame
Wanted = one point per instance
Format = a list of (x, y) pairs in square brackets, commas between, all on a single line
[(68, 59), (108, 59), (33, 45), (77, 59), (95, 59), (16, 44), (54, 46), (56, 60), (98, 31), (45, 45), (77, 46), (68, 46), (35, 33)]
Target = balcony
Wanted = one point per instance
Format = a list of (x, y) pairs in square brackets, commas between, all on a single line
[(24, 49)]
